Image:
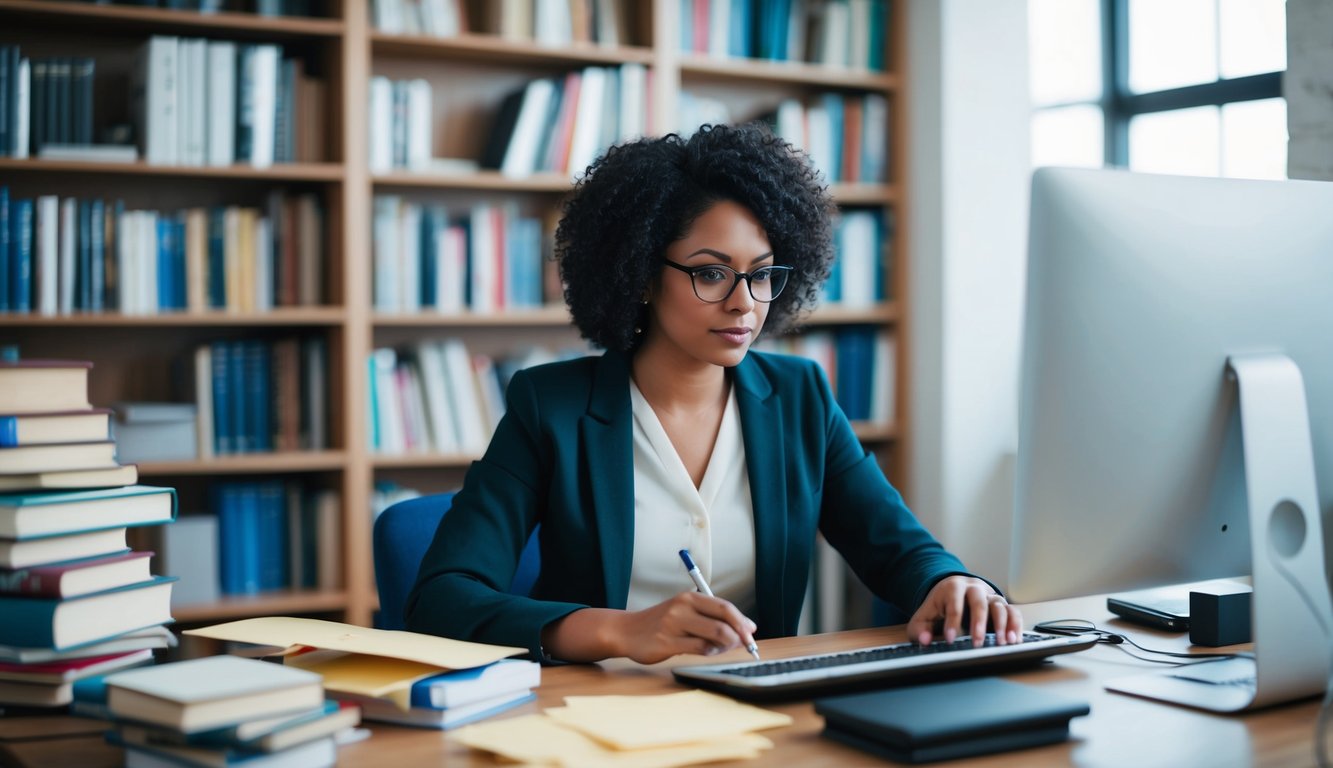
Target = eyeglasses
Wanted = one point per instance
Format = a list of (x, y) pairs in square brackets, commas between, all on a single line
[(714, 282)]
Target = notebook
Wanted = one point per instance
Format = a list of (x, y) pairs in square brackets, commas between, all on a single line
[(945, 721)]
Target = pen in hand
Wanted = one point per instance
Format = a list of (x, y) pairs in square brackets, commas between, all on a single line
[(698, 578)]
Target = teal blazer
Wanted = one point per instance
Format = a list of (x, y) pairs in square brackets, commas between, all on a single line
[(562, 457)]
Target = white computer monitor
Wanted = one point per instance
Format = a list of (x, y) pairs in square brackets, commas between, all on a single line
[(1140, 290)]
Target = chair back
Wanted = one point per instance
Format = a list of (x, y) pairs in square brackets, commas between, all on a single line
[(402, 534)]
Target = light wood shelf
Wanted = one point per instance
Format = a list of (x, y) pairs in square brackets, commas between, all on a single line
[(280, 316), (285, 602), (481, 181), (545, 316), (790, 72), (870, 432), (294, 172), (250, 464), (423, 460), (490, 49), (160, 20)]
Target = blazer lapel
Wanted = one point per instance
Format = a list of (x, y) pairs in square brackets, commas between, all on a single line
[(762, 431), (605, 432)]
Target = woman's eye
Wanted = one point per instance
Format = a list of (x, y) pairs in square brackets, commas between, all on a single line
[(761, 275), (711, 275)]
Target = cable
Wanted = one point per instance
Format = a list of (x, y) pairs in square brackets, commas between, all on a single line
[(1078, 627)]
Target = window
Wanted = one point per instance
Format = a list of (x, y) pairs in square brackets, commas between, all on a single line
[(1185, 86)]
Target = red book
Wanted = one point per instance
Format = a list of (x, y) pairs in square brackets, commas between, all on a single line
[(56, 672), (76, 577), (499, 255), (563, 135)]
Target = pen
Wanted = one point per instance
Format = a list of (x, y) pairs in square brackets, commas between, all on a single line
[(698, 578)]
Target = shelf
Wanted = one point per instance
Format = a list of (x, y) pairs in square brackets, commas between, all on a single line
[(868, 432), (276, 172), (481, 180), (491, 49), (155, 20), (793, 72), (836, 315), (424, 461), (546, 317), (249, 463), (284, 603), (864, 194), (284, 316)]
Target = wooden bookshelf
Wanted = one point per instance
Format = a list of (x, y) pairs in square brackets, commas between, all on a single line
[(483, 68)]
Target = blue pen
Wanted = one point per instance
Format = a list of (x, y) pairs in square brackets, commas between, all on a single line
[(698, 578)]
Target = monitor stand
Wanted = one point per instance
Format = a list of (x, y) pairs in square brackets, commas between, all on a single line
[(1291, 618)]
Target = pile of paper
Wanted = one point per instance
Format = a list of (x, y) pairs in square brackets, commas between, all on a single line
[(396, 677), (685, 728)]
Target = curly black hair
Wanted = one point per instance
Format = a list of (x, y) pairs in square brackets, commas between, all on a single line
[(643, 195)]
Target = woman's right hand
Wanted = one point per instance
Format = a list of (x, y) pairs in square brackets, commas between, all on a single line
[(690, 622)]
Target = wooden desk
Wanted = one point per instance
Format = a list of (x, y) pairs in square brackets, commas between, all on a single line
[(1121, 731)]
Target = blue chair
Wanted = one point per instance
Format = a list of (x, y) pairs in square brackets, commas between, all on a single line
[(402, 534)]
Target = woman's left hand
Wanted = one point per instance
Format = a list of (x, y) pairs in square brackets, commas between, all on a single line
[(945, 603)]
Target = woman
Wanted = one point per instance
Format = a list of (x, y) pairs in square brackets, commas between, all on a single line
[(676, 254)]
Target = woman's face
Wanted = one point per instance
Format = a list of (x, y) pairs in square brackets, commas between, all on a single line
[(720, 333)]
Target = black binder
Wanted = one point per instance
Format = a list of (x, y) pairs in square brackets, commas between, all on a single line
[(944, 721)]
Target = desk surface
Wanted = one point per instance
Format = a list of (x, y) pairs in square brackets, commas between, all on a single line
[(1121, 730)]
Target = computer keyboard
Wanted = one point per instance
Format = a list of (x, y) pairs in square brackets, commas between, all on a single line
[(881, 665)]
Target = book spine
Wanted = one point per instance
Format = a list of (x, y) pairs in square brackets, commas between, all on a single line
[(28, 582), (20, 278), (223, 440), (4, 238), (28, 623), (9, 431), (37, 113), (82, 125), (96, 254), (239, 407)]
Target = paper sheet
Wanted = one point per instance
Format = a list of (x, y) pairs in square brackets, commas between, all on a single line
[(539, 739), (635, 722), (374, 676), (286, 631)]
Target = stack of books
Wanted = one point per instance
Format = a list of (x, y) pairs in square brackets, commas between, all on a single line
[(225, 710), (76, 601), (452, 698)]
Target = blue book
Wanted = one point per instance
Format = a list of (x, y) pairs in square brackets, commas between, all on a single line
[(742, 14), (856, 354), (166, 243), (837, 136), (39, 515), (431, 219), (258, 396), (459, 687), (383, 710), (90, 698), (20, 256), (240, 405), (273, 542), (217, 259), (251, 737), (4, 233), (224, 441), (83, 268), (879, 24), (69, 623), (238, 537), (96, 254), (687, 25)]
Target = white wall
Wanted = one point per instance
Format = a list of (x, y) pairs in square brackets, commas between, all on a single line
[(968, 170), (1308, 87)]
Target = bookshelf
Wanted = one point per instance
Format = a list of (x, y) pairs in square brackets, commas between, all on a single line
[(469, 75)]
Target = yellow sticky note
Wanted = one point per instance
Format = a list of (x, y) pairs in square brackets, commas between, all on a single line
[(539, 739), (636, 722)]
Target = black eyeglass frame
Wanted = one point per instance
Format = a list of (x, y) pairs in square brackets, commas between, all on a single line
[(739, 276)]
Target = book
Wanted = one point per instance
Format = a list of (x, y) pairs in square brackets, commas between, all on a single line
[(212, 692), (34, 515), (69, 670), (35, 694), (92, 153), (153, 637), (255, 736), (54, 457), (315, 754), (78, 577), (83, 478), (60, 624), (385, 711), (57, 549), (466, 686), (35, 386), (55, 427)]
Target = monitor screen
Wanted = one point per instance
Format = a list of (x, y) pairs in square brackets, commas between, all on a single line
[(1129, 469)]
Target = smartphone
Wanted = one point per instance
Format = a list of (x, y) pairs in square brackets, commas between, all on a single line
[(1156, 608)]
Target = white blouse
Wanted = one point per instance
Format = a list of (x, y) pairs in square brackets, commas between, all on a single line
[(715, 521)]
